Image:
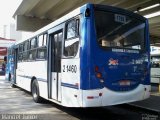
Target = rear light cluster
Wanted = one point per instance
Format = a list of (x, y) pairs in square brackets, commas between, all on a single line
[(98, 74), (94, 97)]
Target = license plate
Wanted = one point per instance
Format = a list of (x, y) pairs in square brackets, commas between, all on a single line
[(124, 83)]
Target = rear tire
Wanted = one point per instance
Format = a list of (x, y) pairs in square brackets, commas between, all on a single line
[(35, 92), (13, 85)]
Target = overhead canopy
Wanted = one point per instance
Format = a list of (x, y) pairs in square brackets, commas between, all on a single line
[(31, 15)]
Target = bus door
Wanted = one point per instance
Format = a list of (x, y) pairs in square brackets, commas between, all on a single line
[(55, 64), (15, 65)]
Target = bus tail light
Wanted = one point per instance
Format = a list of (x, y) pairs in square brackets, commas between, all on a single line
[(98, 75), (90, 97), (96, 68)]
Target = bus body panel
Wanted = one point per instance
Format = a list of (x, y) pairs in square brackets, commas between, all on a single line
[(10, 64), (27, 70), (107, 97), (71, 94), (43, 89), (124, 71), (9, 67)]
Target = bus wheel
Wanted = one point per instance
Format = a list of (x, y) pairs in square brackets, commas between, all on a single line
[(13, 85), (35, 92)]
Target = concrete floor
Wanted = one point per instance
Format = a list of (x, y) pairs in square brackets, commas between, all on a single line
[(16, 101)]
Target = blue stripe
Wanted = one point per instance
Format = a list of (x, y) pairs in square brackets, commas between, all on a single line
[(69, 85), (62, 84), (25, 76), (41, 79), (30, 77)]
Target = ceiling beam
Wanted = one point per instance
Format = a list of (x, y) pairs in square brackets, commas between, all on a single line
[(154, 20), (131, 3), (112, 2), (25, 7), (61, 9), (143, 4), (44, 6), (25, 23), (150, 11)]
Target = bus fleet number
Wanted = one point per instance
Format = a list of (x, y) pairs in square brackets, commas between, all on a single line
[(70, 68)]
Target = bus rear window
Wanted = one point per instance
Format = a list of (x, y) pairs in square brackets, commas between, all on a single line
[(117, 30)]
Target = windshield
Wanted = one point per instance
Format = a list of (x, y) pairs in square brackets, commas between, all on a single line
[(117, 30)]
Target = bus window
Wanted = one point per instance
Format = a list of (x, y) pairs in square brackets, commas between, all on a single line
[(42, 53), (116, 30), (155, 61), (26, 46), (33, 43), (25, 50), (42, 50), (25, 56), (20, 48), (45, 39), (32, 54), (71, 41), (20, 57), (72, 29), (40, 40)]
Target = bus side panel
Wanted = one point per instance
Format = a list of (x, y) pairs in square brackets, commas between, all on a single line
[(71, 95), (22, 80), (43, 91), (41, 76), (27, 70)]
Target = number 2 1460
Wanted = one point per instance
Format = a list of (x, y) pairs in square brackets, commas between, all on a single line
[(70, 68)]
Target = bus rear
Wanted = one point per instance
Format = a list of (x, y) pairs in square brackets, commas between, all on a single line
[(115, 56)]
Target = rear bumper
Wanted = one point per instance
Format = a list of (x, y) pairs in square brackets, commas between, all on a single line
[(106, 97)]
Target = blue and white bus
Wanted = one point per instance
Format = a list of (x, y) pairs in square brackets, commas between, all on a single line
[(94, 56), (10, 63)]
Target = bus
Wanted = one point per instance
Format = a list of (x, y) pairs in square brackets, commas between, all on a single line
[(155, 60), (10, 64), (155, 68), (94, 56)]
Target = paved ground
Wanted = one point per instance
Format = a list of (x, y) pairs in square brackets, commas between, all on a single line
[(15, 103)]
